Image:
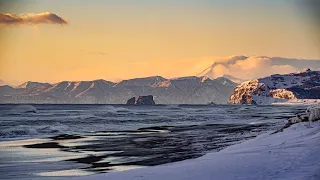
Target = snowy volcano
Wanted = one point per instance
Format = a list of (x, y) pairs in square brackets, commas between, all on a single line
[(242, 68)]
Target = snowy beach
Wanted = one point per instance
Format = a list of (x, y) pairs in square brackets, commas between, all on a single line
[(288, 155)]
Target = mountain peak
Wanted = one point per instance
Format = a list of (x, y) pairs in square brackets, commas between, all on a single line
[(31, 84), (144, 81), (225, 81)]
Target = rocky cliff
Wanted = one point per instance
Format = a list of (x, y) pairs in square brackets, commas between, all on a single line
[(278, 88)]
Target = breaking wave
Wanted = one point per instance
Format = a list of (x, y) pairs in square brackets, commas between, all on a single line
[(23, 130), (113, 109), (22, 109)]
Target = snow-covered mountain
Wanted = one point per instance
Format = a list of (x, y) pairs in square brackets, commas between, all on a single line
[(34, 85), (148, 81), (184, 90), (278, 88), (233, 79), (193, 90), (2, 83)]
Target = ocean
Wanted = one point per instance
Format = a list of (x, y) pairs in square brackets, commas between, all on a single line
[(45, 141)]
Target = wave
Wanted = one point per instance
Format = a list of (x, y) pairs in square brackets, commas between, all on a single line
[(23, 130), (113, 109), (23, 109), (173, 107)]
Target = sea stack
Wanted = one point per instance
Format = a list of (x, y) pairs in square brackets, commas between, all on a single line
[(145, 100), (141, 100), (131, 101)]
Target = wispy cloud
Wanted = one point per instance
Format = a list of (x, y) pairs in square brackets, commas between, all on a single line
[(31, 19), (94, 52), (138, 62)]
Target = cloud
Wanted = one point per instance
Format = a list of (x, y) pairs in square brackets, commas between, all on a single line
[(31, 19), (256, 66), (94, 52)]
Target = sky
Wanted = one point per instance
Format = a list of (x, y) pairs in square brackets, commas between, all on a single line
[(55, 40)]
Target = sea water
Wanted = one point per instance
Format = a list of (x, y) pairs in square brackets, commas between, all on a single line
[(44, 141)]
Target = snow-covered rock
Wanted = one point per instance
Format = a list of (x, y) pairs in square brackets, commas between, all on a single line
[(295, 120), (278, 88), (313, 113)]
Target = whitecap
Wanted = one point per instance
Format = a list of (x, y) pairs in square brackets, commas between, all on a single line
[(21, 109), (113, 109)]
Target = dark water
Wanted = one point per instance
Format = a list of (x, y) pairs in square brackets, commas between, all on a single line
[(40, 141)]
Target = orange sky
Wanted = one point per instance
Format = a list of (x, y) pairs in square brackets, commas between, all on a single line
[(112, 40)]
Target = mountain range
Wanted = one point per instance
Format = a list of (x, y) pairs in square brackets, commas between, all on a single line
[(183, 90), (201, 89)]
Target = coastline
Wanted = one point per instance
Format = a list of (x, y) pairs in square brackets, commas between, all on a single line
[(34, 158), (291, 154)]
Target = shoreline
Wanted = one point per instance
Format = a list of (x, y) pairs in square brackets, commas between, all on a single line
[(191, 136), (291, 154)]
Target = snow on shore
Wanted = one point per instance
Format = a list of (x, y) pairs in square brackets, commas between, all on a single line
[(291, 154), (298, 101), (313, 113)]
